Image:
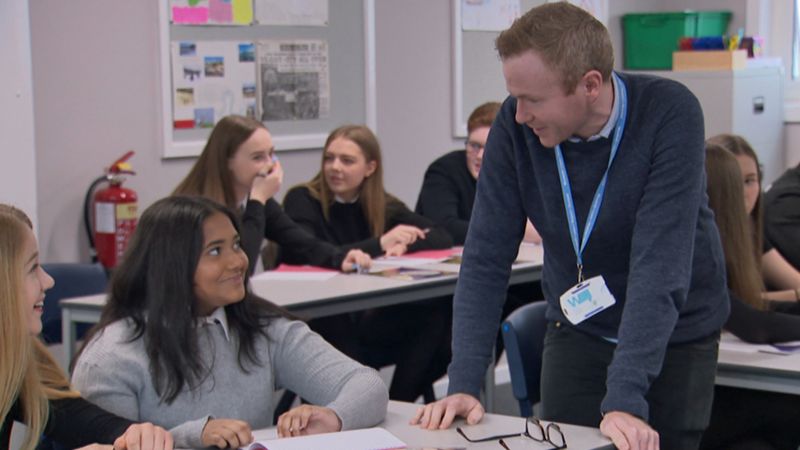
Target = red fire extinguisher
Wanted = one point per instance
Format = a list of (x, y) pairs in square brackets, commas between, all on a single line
[(112, 219)]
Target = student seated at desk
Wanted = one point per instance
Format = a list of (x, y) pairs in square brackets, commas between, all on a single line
[(346, 205), (184, 344), (745, 418), (238, 169), (33, 389), (448, 190), (781, 278), (448, 194), (782, 213)]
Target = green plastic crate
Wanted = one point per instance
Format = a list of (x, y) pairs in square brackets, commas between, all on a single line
[(650, 38)]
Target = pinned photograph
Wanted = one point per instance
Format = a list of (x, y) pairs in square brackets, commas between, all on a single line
[(204, 117), (251, 110), (188, 49), (184, 96), (249, 90), (192, 71), (215, 66), (247, 52)]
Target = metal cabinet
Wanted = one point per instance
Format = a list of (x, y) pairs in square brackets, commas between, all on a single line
[(748, 102)]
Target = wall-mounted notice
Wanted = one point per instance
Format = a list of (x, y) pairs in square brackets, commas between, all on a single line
[(488, 15), (293, 79), (292, 12), (211, 12), (211, 79)]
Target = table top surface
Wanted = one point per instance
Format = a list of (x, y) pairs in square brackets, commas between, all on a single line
[(399, 414)]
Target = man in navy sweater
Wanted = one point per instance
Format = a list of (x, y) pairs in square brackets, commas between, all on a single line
[(610, 169)]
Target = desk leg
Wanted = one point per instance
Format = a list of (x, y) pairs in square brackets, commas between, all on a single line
[(67, 336)]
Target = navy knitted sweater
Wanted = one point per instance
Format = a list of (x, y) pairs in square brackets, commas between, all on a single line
[(655, 241)]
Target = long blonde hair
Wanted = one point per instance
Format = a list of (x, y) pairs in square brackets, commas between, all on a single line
[(372, 197), (28, 373)]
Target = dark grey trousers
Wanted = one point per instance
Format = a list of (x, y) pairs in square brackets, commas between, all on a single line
[(574, 383)]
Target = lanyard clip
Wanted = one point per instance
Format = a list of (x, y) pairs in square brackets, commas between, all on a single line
[(580, 273)]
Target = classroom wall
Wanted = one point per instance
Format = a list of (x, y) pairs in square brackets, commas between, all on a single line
[(96, 86), (96, 95), (17, 151)]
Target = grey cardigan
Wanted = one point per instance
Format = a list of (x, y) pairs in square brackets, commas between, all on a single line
[(115, 374)]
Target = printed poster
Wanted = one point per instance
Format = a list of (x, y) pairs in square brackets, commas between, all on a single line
[(292, 12), (211, 12), (294, 81), (211, 79), (488, 15)]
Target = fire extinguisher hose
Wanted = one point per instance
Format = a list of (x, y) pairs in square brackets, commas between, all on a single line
[(87, 215)]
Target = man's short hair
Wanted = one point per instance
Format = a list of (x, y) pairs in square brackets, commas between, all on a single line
[(567, 38), (482, 116)]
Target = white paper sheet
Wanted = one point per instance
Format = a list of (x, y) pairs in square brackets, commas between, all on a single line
[(730, 342), (292, 12), (211, 79), (488, 15), (366, 439)]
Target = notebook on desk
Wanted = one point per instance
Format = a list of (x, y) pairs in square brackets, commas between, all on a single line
[(366, 439)]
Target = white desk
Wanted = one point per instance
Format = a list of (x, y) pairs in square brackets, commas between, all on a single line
[(400, 413), (760, 371), (309, 299)]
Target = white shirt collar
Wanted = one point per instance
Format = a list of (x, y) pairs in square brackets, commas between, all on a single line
[(605, 132), (216, 317), (346, 202)]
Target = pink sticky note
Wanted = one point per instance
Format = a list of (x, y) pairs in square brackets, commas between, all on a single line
[(189, 14), (220, 11), (291, 268)]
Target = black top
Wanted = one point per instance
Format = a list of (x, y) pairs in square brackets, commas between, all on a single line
[(297, 246), (782, 215), (348, 227), (72, 422), (780, 324), (447, 195)]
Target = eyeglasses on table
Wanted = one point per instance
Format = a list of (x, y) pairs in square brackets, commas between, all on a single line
[(534, 430)]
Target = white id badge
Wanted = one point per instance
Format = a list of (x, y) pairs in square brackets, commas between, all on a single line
[(586, 299)]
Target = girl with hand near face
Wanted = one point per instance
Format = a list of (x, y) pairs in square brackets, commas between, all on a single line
[(238, 168), (33, 389), (346, 205), (781, 278), (183, 343)]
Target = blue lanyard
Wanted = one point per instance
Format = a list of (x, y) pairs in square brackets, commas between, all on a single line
[(566, 189)]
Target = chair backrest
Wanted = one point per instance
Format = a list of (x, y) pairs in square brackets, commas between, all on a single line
[(71, 280), (523, 334)]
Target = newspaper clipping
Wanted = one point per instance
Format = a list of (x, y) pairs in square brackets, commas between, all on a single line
[(294, 81)]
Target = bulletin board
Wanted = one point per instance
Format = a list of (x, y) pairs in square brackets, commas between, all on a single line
[(348, 38)]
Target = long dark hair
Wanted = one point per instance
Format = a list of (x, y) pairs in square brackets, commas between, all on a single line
[(726, 199), (740, 147), (153, 287)]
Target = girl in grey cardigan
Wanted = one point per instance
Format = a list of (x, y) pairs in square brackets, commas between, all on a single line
[(184, 344)]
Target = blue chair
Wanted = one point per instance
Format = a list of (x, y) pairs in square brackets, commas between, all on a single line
[(523, 334), (72, 280)]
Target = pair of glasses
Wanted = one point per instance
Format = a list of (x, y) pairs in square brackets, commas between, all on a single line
[(474, 147), (533, 430)]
